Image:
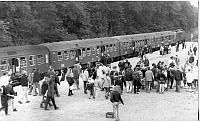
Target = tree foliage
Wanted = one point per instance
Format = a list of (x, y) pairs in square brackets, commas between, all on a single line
[(39, 22)]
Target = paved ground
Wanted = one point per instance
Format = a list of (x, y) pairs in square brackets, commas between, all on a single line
[(170, 106)]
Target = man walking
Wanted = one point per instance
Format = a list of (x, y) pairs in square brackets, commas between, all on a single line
[(36, 79), (148, 79), (24, 83), (50, 92)]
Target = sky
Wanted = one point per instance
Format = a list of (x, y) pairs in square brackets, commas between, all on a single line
[(194, 2)]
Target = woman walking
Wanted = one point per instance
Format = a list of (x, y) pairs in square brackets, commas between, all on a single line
[(69, 78)]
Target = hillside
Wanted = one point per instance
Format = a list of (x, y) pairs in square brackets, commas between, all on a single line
[(39, 22)]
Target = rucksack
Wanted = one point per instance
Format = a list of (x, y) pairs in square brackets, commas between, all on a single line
[(128, 74), (136, 76), (191, 59)]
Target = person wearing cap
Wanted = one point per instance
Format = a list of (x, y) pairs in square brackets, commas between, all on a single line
[(24, 84), (116, 99)]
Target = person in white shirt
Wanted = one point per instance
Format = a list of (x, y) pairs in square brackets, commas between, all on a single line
[(85, 76), (189, 77)]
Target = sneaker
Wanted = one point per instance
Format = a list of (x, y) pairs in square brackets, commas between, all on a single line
[(19, 102), (14, 109), (46, 109), (56, 108), (27, 101)]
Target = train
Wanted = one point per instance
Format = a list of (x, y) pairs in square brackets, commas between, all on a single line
[(63, 54)]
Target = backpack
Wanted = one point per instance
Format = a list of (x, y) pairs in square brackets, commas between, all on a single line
[(136, 76), (191, 59), (128, 74)]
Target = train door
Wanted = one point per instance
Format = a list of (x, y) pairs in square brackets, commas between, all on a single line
[(15, 65), (103, 49), (78, 55)]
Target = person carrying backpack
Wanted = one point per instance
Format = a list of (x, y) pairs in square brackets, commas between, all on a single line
[(129, 79), (116, 99)]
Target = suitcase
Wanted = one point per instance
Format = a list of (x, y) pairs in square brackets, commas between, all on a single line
[(109, 115)]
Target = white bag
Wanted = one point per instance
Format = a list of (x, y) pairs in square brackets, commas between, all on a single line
[(73, 87)]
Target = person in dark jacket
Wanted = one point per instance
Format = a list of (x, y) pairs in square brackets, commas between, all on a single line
[(154, 70), (24, 84), (178, 76), (50, 92), (4, 100), (136, 81), (56, 82), (116, 99), (121, 65)]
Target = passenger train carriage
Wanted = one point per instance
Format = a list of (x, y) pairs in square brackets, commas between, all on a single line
[(66, 53)]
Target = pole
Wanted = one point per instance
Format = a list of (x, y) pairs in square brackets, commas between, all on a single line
[(198, 64)]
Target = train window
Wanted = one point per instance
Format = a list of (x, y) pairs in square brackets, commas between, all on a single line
[(98, 51), (54, 56), (114, 47), (4, 65), (93, 51), (47, 58), (31, 60), (40, 59), (72, 54), (124, 45), (88, 52), (66, 55), (107, 48), (60, 57), (83, 52), (23, 62), (111, 48)]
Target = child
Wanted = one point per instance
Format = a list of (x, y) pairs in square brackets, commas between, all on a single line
[(90, 88)]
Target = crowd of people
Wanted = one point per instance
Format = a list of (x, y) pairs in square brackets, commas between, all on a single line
[(114, 81)]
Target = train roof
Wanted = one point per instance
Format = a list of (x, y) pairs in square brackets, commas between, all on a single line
[(65, 45), (57, 46), (22, 50), (93, 42)]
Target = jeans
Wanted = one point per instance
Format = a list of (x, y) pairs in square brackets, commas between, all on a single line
[(178, 84), (84, 86), (129, 86), (162, 88), (25, 90), (137, 86), (47, 102), (116, 110), (35, 86), (56, 89), (77, 83), (148, 85)]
